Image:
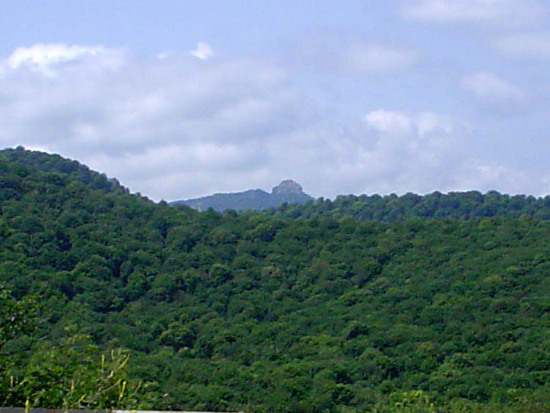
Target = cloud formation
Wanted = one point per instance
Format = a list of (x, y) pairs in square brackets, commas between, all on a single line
[(495, 92), (179, 127), (530, 45), (409, 149), (399, 123), (211, 115), (44, 58), (389, 122), (511, 13), (203, 51)]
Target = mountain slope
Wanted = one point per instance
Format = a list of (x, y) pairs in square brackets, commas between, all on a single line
[(287, 191), (252, 312), (388, 208)]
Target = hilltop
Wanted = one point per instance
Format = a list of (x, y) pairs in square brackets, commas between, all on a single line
[(263, 311), (287, 191)]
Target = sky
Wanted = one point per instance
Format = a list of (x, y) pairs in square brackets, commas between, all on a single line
[(178, 98)]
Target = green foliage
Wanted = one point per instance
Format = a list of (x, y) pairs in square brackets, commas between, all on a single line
[(388, 208), (16, 316), (73, 375), (356, 304), (95, 382)]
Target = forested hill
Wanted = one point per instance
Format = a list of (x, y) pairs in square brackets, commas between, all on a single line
[(455, 205), (287, 192), (17, 164), (257, 312)]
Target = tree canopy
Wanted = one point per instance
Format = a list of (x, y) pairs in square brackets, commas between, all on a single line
[(319, 307)]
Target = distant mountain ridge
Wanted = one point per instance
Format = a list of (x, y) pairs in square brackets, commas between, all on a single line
[(287, 191)]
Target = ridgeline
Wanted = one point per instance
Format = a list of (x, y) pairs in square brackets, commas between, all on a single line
[(287, 192), (433, 303)]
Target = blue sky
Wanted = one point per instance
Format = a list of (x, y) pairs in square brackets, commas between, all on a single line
[(179, 99)]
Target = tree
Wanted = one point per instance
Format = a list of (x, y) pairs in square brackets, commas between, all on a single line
[(16, 316), (74, 375)]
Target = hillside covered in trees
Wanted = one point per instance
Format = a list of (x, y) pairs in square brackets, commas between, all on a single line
[(388, 208), (433, 303)]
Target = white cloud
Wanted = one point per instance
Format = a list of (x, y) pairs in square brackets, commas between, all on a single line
[(203, 51), (378, 58), (45, 58), (532, 45), (389, 122), (424, 152), (409, 151), (163, 55), (506, 13), (399, 123), (495, 92), (178, 127), (485, 175), (428, 122), (153, 119)]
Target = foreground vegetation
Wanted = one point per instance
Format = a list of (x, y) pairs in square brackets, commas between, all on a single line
[(109, 299)]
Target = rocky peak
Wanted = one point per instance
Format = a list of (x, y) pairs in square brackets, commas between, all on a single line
[(288, 186)]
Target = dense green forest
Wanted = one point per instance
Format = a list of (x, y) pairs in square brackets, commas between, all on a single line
[(455, 205), (108, 299)]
